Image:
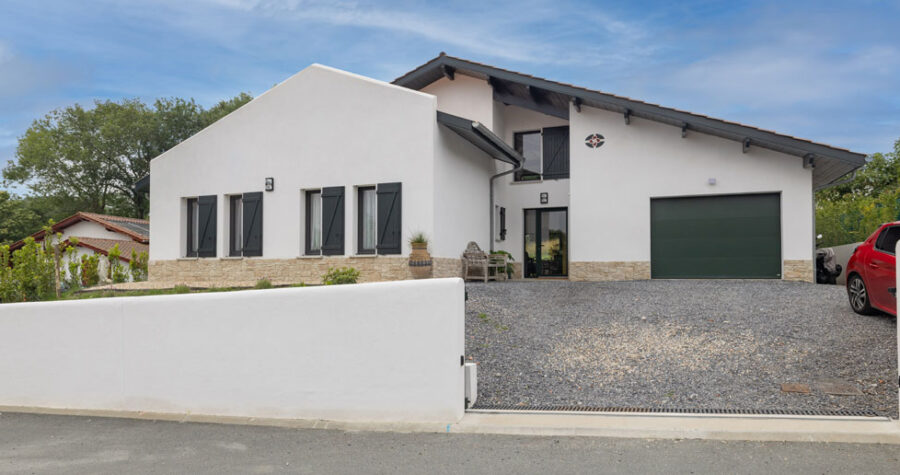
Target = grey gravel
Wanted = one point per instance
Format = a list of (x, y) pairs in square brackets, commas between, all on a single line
[(718, 344)]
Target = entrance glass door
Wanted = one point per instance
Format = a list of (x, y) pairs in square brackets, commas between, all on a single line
[(546, 243)]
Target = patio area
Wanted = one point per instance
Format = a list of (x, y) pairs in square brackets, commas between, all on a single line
[(679, 344)]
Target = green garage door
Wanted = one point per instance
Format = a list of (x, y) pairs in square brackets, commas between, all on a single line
[(716, 237)]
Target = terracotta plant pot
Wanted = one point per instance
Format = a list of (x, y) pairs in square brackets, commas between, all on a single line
[(420, 264)]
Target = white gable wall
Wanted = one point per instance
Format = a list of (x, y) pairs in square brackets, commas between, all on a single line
[(612, 185), (93, 230), (465, 97), (321, 127)]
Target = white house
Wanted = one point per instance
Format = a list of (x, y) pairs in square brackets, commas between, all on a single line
[(329, 169), (97, 234)]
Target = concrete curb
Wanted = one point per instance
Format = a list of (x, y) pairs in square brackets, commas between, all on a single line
[(644, 426)]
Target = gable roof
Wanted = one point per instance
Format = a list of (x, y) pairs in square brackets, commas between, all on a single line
[(550, 97), (137, 229), (103, 246)]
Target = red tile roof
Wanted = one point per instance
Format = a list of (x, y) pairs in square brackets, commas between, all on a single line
[(136, 229), (103, 246)]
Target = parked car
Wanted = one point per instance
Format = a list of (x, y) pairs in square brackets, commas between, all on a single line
[(872, 272)]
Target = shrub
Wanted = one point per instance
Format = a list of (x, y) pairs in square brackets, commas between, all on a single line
[(181, 289), (116, 271), (509, 260), (138, 265), (9, 288), (263, 284), (854, 218), (342, 275), (90, 270), (32, 274), (73, 277)]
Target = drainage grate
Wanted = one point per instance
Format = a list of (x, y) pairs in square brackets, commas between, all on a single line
[(654, 410)]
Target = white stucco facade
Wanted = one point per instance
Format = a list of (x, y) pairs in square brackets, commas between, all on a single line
[(324, 128)]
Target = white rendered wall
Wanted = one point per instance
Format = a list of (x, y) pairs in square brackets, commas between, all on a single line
[(462, 198), (368, 352), (91, 229), (321, 127), (465, 97), (612, 185), (518, 196)]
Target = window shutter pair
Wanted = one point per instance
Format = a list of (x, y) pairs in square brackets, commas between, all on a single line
[(253, 224), (389, 213), (206, 229), (556, 152)]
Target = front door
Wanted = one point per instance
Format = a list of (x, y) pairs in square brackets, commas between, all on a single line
[(546, 244)]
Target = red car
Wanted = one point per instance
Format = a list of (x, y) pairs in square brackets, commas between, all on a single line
[(872, 272)]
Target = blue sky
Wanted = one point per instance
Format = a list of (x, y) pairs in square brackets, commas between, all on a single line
[(827, 71)]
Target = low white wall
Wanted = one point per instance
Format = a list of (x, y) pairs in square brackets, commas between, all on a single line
[(369, 352), (842, 254)]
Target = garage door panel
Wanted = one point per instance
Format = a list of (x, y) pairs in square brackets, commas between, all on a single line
[(731, 236)]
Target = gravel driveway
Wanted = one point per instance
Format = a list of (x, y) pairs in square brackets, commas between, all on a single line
[(677, 344)]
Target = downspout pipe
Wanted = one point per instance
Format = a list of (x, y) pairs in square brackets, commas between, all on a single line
[(513, 158)]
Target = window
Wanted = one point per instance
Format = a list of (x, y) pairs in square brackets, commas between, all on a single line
[(546, 153), (314, 222), (245, 225), (235, 247), (325, 221), (200, 226), (528, 144), (367, 212), (887, 240)]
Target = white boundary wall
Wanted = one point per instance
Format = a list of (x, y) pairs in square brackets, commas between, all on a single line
[(369, 352)]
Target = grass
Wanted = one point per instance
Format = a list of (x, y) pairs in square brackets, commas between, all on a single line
[(179, 289)]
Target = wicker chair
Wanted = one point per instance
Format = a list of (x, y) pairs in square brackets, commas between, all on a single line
[(479, 265)]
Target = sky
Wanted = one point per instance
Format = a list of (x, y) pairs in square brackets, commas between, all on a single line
[(826, 71)]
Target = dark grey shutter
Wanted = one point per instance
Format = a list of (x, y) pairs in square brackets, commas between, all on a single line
[(333, 221), (389, 214), (253, 223), (206, 244), (556, 152), (191, 252), (502, 223)]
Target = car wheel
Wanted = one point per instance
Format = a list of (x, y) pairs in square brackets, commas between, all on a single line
[(859, 297)]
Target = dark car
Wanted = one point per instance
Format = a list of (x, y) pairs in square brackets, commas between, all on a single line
[(872, 272)]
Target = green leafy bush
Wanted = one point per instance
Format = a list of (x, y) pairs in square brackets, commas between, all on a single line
[(90, 270), (32, 274), (263, 284), (181, 289), (73, 276), (138, 265), (116, 272), (509, 259), (855, 217), (340, 275)]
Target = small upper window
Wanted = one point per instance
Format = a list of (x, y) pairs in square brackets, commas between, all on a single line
[(528, 144), (887, 240)]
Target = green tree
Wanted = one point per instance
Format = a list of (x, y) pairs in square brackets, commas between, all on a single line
[(850, 212), (18, 218), (91, 158)]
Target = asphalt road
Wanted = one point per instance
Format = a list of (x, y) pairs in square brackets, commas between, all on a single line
[(64, 444)]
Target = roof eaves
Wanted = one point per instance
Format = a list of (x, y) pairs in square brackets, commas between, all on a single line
[(727, 129)]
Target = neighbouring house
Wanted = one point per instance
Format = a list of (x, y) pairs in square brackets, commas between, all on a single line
[(331, 169), (99, 233)]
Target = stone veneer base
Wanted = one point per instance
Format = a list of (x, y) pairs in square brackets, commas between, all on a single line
[(799, 270), (218, 272)]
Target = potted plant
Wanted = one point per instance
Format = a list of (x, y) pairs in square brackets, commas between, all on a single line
[(420, 264), (509, 267)]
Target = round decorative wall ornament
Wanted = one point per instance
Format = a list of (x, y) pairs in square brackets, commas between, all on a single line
[(594, 141)]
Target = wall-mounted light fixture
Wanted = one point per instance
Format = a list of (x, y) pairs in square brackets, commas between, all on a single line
[(711, 181), (545, 198), (270, 184)]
